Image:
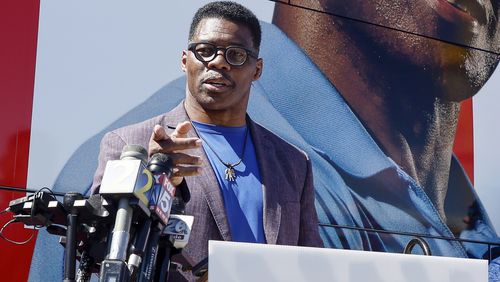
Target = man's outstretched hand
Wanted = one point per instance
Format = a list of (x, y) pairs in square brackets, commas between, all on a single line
[(175, 146)]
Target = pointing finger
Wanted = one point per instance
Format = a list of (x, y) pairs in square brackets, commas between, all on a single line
[(159, 133), (182, 129)]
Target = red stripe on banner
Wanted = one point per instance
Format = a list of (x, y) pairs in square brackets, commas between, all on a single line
[(464, 139), (18, 35)]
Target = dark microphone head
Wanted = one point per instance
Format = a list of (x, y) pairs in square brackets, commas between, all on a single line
[(134, 152), (70, 198), (161, 163)]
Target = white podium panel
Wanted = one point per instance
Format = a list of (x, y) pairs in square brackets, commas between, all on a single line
[(242, 262)]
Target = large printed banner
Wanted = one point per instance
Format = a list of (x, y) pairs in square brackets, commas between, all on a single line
[(370, 90)]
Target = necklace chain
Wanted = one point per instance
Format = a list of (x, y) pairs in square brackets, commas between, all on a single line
[(229, 172)]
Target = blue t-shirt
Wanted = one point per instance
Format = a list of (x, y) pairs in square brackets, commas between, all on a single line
[(243, 196)]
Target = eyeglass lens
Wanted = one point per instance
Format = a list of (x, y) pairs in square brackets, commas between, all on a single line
[(234, 55)]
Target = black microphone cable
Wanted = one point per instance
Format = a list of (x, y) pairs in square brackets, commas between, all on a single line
[(27, 190), (32, 212)]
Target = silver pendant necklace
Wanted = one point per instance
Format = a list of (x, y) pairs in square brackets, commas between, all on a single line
[(229, 172)]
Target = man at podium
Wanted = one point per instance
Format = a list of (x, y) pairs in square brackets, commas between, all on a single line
[(246, 183)]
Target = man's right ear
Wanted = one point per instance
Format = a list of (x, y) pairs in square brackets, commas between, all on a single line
[(183, 60)]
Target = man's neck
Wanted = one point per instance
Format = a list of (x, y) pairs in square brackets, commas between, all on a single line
[(226, 117)]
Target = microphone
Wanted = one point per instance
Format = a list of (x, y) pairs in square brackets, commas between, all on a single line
[(179, 225), (34, 210), (162, 196), (160, 202), (128, 178), (129, 182), (178, 228)]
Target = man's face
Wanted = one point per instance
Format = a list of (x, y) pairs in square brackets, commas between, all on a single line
[(457, 72), (217, 85)]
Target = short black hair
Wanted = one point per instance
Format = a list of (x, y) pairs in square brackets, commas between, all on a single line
[(230, 11)]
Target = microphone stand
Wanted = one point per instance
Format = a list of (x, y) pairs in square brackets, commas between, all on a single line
[(114, 267), (165, 266), (148, 267), (159, 165), (182, 196), (70, 250)]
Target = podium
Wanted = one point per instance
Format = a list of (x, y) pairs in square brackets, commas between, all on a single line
[(243, 262)]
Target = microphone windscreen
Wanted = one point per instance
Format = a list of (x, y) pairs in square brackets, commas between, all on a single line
[(134, 152), (161, 163)]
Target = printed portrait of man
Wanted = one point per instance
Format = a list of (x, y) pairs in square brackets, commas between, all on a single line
[(371, 91)]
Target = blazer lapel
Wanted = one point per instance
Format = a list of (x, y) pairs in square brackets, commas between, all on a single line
[(272, 207), (206, 183)]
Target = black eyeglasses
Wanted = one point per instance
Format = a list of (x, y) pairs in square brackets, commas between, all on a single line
[(234, 55)]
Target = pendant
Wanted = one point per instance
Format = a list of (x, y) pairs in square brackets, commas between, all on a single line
[(230, 175)]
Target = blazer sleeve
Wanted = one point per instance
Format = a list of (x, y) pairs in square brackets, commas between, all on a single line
[(309, 230), (110, 149)]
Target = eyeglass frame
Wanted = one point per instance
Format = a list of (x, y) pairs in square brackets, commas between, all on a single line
[(192, 48)]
